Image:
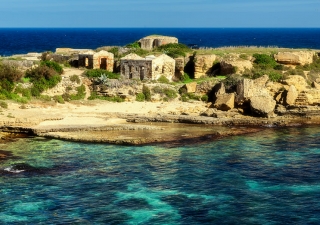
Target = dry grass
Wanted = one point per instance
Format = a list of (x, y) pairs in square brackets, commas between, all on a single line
[(246, 50)]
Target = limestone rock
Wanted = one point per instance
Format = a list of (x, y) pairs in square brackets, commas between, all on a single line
[(262, 105), (203, 65), (221, 89), (209, 112), (233, 63), (295, 58), (225, 102), (179, 71), (261, 81), (191, 87), (316, 85), (292, 95), (298, 81), (153, 41), (244, 90)]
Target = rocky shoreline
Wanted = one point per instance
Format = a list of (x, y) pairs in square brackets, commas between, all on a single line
[(142, 128)]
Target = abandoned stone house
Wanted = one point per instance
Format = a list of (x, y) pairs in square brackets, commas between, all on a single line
[(96, 60), (151, 67), (153, 41)]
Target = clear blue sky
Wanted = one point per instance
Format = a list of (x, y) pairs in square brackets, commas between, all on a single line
[(160, 13)]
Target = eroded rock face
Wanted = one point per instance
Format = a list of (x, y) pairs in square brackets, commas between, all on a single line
[(191, 87), (292, 95), (225, 102), (262, 105), (296, 80), (295, 58), (233, 63), (153, 41), (203, 65)]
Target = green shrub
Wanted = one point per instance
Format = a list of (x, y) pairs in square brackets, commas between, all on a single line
[(157, 90), (163, 80), (275, 76), (174, 50), (59, 99), (3, 105), (147, 93), (53, 65), (204, 98), (140, 97), (75, 78), (94, 96), (170, 93), (10, 73), (133, 45), (81, 93), (185, 78), (264, 61), (95, 73)]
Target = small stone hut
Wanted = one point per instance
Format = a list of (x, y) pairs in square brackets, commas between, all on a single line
[(153, 41), (96, 60), (151, 67)]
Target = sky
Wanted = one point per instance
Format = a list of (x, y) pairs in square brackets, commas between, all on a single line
[(160, 13)]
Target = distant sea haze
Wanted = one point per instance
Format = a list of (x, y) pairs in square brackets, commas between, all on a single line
[(24, 40)]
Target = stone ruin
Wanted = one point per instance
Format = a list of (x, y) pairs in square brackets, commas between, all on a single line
[(96, 60), (151, 67), (153, 41)]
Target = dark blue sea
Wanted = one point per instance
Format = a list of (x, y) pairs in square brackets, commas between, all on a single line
[(269, 177), (24, 40)]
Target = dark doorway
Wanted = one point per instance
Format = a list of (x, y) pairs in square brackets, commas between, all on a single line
[(142, 73), (103, 63)]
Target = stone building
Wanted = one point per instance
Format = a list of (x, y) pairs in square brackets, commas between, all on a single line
[(153, 41), (96, 60), (150, 67)]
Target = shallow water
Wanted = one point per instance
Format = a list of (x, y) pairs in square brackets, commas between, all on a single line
[(270, 177)]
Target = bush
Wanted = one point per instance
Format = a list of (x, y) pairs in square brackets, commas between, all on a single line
[(170, 93), (39, 72), (174, 50), (204, 98), (264, 61), (3, 105), (140, 97), (133, 45), (274, 76), (75, 78), (185, 78), (81, 93), (10, 73), (95, 73), (157, 90), (147, 93), (59, 99), (94, 95), (52, 65), (163, 80)]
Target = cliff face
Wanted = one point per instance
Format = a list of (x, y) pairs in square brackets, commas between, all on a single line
[(295, 58)]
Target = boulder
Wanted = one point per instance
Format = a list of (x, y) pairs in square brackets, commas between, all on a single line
[(298, 81), (203, 65), (232, 63), (295, 58), (224, 102), (179, 70), (191, 87), (262, 105), (292, 95), (244, 90)]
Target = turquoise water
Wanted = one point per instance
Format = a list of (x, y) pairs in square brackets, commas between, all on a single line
[(270, 177)]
